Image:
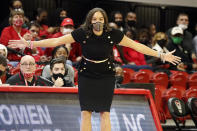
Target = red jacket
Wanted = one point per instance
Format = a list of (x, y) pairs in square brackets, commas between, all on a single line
[(117, 55), (43, 32), (7, 34), (134, 56)]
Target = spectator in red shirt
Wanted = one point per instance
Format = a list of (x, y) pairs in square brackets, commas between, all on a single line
[(42, 19), (67, 26), (34, 29), (135, 59), (12, 33)]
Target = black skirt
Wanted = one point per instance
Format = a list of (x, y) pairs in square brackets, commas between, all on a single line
[(96, 82)]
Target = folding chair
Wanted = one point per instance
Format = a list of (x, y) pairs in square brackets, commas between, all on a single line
[(177, 110), (192, 106)]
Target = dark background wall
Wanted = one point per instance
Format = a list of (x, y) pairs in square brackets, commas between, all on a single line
[(163, 16)]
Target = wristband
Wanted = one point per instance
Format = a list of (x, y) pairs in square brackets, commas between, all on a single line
[(30, 44), (159, 54)]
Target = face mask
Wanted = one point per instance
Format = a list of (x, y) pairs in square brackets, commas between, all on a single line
[(18, 22), (28, 75), (161, 42), (55, 76), (131, 23), (119, 23), (62, 18), (177, 40), (98, 26), (145, 42), (1, 72), (44, 22), (66, 31), (183, 27)]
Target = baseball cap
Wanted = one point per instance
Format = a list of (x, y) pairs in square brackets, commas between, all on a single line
[(176, 30), (67, 21)]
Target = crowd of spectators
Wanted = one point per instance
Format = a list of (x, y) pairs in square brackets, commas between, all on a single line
[(59, 65)]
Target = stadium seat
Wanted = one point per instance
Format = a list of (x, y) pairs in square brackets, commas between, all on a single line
[(178, 80), (127, 75), (178, 110), (169, 93), (192, 106), (140, 77), (183, 72), (191, 92), (159, 105), (150, 72), (192, 81), (160, 79)]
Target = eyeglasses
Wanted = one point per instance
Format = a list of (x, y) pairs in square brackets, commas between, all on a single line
[(26, 64)]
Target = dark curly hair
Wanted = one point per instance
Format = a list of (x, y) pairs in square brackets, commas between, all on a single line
[(87, 26)]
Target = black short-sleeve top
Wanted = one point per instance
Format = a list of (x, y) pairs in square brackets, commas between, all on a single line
[(97, 47)]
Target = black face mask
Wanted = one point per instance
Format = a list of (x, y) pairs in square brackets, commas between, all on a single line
[(162, 42), (145, 42), (131, 23), (55, 76), (62, 18), (1, 72), (44, 22), (119, 23)]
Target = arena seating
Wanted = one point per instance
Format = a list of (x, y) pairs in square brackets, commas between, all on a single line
[(127, 75), (179, 84), (178, 80), (150, 72), (192, 81), (140, 77), (169, 93)]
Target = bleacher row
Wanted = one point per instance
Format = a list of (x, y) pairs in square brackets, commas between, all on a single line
[(179, 84)]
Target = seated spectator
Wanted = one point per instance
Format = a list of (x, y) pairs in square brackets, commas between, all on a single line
[(67, 26), (27, 76), (182, 51), (13, 5), (37, 52), (57, 17), (152, 30), (58, 52), (117, 17), (3, 51), (11, 33), (135, 59), (59, 71), (4, 73), (159, 43), (41, 18)]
